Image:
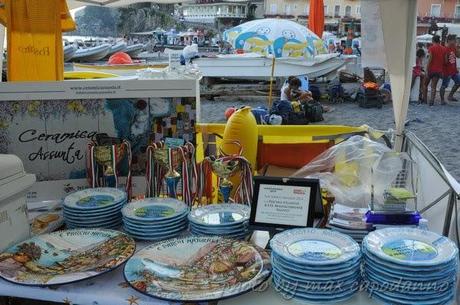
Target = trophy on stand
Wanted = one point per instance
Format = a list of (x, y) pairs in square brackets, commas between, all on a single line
[(224, 169), (104, 157), (162, 165)]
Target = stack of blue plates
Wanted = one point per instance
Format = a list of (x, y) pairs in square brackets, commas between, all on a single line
[(410, 266), (155, 218), (228, 220), (315, 265), (94, 208)]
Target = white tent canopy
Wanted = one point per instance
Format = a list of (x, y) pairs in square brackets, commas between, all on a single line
[(111, 3), (399, 21)]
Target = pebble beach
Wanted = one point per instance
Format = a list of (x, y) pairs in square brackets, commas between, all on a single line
[(437, 126)]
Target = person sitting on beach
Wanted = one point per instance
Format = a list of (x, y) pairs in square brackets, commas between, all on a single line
[(450, 69), (292, 92)]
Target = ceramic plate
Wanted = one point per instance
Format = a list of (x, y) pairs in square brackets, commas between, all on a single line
[(411, 269), (290, 291), (317, 270), (155, 209), (93, 220), (155, 233), (165, 222), (194, 269), (212, 230), (65, 256), (410, 246), (152, 227), (220, 214), (94, 199), (315, 246), (116, 208), (392, 300), (239, 227)]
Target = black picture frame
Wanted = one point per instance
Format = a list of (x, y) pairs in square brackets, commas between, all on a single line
[(314, 206)]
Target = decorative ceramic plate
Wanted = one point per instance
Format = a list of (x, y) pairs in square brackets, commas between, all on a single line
[(309, 246), (220, 214), (154, 228), (94, 199), (113, 209), (410, 246), (154, 209), (65, 256), (195, 269)]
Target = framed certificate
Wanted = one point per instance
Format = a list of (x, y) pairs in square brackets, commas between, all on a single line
[(284, 202)]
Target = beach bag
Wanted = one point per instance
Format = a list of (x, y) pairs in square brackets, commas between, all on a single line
[(297, 118), (283, 109), (260, 113), (315, 92), (314, 112)]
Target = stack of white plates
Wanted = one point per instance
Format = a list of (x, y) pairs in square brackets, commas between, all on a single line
[(94, 208), (410, 266), (155, 218), (315, 265), (229, 220)]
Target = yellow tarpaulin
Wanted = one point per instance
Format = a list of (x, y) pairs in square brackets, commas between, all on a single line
[(34, 33)]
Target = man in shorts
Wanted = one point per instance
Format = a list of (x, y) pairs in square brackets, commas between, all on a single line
[(450, 69), (435, 68)]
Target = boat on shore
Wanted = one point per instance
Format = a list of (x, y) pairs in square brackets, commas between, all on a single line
[(117, 47), (134, 50), (92, 54), (69, 52), (255, 66), (121, 70)]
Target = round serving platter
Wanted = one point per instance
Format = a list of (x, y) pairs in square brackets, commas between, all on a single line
[(64, 257), (197, 269)]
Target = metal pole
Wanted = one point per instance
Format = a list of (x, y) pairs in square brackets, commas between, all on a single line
[(271, 83), (449, 210)]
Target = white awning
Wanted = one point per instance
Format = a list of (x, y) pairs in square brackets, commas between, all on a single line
[(111, 3), (399, 21)]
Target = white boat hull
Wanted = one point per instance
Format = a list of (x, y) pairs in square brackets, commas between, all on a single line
[(122, 70), (261, 67)]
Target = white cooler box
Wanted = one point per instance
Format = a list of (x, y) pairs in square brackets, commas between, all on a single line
[(14, 184)]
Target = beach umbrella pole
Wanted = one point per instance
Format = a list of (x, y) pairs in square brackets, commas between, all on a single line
[(271, 83)]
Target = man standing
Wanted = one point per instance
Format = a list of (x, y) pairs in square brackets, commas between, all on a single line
[(435, 68), (450, 69)]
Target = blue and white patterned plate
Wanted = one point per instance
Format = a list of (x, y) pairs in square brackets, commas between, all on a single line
[(309, 246), (182, 227), (116, 208), (220, 215), (137, 227), (410, 247), (94, 199), (155, 209)]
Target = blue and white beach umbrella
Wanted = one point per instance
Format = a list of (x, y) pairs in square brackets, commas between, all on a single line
[(283, 38)]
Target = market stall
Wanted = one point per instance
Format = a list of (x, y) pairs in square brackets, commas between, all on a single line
[(134, 177)]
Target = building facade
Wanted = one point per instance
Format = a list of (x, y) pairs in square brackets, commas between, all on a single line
[(340, 15), (437, 11), (220, 13)]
